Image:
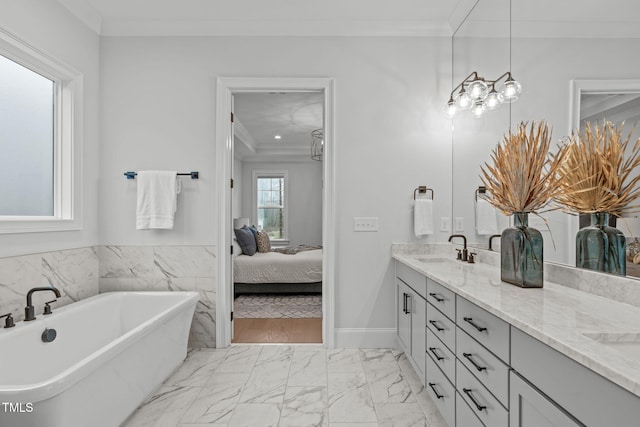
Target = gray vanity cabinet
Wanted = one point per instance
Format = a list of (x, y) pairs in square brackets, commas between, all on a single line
[(530, 408), (411, 311)]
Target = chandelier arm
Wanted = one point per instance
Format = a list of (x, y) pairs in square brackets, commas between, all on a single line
[(474, 74)]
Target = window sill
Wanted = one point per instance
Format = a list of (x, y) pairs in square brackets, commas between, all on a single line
[(9, 225)]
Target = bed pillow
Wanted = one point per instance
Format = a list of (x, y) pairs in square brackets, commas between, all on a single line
[(246, 240), (263, 242)]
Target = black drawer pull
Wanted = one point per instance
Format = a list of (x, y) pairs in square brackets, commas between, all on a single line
[(409, 303), (404, 302), (435, 325), (433, 350), (433, 387), (470, 321), (436, 297), (469, 357), (467, 391)]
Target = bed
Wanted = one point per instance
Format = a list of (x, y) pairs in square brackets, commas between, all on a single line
[(275, 272)]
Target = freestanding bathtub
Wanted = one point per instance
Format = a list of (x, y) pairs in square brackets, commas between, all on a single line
[(110, 352)]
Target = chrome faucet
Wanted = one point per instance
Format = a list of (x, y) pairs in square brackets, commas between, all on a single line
[(465, 252), (490, 239), (29, 311)]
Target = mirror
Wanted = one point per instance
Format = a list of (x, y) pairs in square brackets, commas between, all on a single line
[(545, 58)]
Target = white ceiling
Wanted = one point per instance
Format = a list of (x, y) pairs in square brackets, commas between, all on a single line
[(259, 117), (539, 18)]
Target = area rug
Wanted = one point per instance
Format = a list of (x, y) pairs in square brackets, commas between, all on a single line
[(274, 306)]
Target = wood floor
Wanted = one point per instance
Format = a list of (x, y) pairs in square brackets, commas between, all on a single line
[(277, 331)]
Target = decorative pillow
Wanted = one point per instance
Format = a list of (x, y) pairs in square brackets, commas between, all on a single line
[(246, 240), (263, 242)]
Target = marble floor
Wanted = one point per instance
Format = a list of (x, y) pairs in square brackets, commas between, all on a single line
[(290, 385)]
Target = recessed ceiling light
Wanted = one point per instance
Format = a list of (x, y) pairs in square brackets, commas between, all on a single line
[(277, 137)]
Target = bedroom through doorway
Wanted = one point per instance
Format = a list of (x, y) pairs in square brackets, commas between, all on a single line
[(277, 196)]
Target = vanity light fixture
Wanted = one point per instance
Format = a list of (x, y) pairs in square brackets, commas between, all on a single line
[(480, 94), (277, 137)]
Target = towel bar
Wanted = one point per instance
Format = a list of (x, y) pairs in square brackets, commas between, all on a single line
[(422, 190), (480, 190), (193, 175)]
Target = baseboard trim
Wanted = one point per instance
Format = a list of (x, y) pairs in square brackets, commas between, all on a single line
[(365, 338)]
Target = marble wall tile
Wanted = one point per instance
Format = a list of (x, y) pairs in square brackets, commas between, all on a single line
[(127, 261), (185, 261), (74, 272)]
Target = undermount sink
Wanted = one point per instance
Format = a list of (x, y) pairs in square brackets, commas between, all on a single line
[(625, 342)]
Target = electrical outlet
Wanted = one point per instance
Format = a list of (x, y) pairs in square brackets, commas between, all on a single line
[(362, 223), (459, 225), (445, 224)]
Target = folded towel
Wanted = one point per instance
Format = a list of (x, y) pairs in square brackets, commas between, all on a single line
[(423, 217), (157, 199), (486, 219)]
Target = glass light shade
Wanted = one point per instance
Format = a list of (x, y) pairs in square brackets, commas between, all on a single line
[(451, 108), (478, 109), (493, 100), (511, 90), (464, 101), (478, 89)]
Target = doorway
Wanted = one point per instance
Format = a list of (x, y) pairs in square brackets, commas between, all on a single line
[(277, 198), (226, 89)]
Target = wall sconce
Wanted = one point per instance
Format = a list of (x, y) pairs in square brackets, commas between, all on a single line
[(480, 95)]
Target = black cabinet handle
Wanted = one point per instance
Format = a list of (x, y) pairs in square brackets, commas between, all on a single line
[(470, 321), (409, 303), (436, 297), (404, 302), (435, 325), (467, 391), (470, 358), (433, 351), (433, 387)]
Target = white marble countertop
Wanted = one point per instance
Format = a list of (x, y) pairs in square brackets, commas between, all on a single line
[(599, 333)]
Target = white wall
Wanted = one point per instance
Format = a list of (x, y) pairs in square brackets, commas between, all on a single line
[(50, 28), (158, 102), (305, 197)]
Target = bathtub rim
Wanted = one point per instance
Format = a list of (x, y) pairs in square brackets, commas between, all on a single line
[(60, 382)]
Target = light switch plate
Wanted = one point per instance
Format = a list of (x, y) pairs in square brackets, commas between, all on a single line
[(365, 223), (445, 224), (459, 225)]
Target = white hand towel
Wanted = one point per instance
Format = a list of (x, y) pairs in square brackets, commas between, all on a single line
[(157, 199), (486, 219), (423, 217)]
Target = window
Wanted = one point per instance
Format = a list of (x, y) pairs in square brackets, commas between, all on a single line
[(271, 199), (40, 113)]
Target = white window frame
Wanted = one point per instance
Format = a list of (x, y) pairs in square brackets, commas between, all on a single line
[(285, 212), (67, 211)]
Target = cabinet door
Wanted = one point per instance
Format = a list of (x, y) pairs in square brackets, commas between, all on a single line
[(404, 317), (529, 408), (418, 308)]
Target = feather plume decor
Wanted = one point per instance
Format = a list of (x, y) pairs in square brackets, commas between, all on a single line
[(600, 172), (523, 174)]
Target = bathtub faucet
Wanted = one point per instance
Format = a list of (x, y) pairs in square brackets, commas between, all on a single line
[(29, 311)]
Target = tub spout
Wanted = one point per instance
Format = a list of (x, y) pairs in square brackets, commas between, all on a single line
[(29, 311)]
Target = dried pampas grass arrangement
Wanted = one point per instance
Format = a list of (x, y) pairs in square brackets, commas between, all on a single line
[(597, 173), (523, 176)]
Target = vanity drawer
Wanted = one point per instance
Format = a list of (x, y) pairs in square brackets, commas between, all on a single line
[(484, 327), (442, 392), (441, 355), (480, 400), (486, 367), (441, 298), (464, 415), (441, 327), (417, 281)]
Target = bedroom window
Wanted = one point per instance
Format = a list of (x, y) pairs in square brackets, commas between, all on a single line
[(271, 202), (40, 106)]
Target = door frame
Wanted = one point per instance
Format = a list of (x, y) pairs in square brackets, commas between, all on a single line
[(225, 88)]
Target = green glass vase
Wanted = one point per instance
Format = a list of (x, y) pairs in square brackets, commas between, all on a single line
[(601, 247), (521, 249)]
